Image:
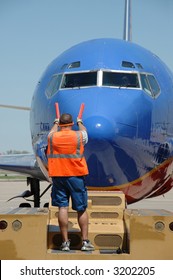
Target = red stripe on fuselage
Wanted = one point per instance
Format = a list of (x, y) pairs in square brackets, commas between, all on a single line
[(156, 182)]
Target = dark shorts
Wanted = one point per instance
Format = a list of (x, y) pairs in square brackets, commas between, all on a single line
[(65, 187)]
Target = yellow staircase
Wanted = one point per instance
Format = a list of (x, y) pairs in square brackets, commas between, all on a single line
[(106, 225), (118, 233)]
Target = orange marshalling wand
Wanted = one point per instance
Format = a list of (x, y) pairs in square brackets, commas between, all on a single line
[(79, 115), (81, 111), (57, 110)]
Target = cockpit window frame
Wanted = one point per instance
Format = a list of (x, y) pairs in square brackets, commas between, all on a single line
[(146, 81), (77, 85), (149, 87), (125, 74), (54, 85)]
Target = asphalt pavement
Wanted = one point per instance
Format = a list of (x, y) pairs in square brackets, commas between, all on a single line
[(11, 188)]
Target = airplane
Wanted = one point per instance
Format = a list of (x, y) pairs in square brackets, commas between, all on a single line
[(128, 95)]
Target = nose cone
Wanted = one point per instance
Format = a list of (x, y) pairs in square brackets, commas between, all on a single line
[(99, 151), (99, 127)]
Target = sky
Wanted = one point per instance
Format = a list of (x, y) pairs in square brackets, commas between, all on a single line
[(34, 32)]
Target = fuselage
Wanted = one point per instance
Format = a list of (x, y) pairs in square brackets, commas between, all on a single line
[(128, 97)]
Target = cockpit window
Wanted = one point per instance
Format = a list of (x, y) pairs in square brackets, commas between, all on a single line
[(145, 84), (103, 78), (127, 64), (149, 84), (53, 85), (75, 64), (120, 79), (153, 84), (79, 80)]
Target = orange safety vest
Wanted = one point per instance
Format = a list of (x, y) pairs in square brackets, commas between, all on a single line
[(65, 154)]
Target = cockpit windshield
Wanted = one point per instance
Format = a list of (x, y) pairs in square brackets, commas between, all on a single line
[(79, 80), (150, 84), (104, 78), (120, 79)]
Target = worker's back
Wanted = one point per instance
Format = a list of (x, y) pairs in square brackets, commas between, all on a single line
[(65, 154)]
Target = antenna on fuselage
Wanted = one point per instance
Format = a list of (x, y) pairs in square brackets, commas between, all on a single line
[(127, 21)]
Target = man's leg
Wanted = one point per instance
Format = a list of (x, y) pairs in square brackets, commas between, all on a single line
[(63, 222), (83, 224)]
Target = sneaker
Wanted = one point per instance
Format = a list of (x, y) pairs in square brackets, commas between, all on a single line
[(65, 246), (87, 246)]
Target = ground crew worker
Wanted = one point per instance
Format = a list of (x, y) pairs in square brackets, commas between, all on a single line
[(67, 167)]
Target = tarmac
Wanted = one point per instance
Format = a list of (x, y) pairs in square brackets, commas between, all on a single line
[(10, 188)]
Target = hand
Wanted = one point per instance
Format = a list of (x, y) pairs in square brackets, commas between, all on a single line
[(56, 121), (79, 121)]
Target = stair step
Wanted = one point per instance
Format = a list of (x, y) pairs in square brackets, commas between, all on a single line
[(83, 253), (106, 224), (102, 235)]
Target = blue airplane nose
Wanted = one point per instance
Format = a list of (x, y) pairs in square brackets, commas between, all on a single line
[(99, 127)]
